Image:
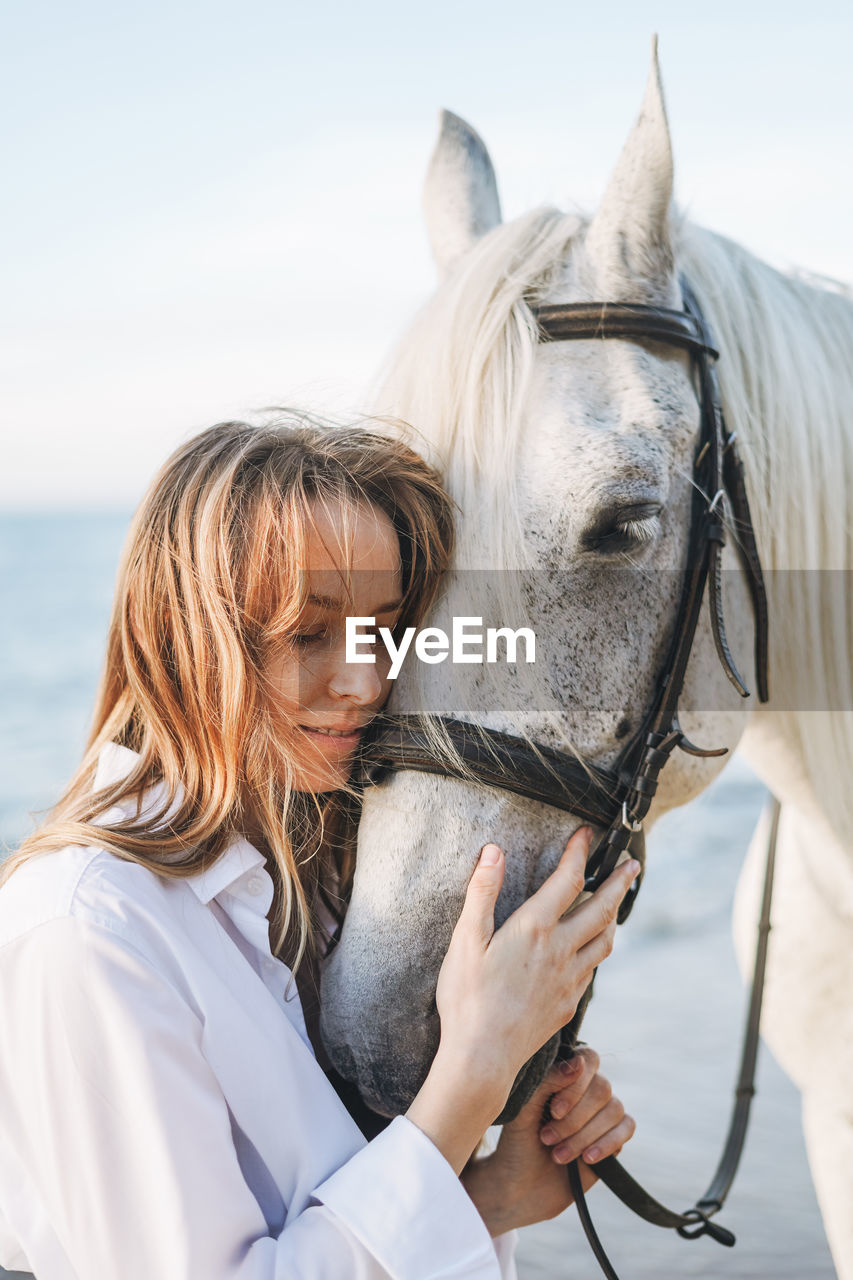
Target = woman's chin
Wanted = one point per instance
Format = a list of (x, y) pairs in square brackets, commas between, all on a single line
[(329, 776), (323, 762)]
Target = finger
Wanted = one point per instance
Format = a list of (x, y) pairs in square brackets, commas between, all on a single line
[(591, 1134), (612, 1142), (591, 955), (595, 1097), (563, 1077), (586, 1063), (553, 899), (478, 909), (559, 1079), (594, 915)]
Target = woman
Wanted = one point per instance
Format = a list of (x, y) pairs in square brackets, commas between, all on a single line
[(162, 1109)]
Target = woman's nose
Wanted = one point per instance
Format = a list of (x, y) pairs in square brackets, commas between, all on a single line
[(359, 682)]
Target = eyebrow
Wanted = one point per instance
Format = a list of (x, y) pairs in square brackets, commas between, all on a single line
[(331, 602)]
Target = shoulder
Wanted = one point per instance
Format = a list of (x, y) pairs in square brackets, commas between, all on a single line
[(90, 968), (93, 887)]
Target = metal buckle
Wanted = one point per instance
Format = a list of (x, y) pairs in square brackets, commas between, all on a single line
[(721, 493), (630, 824), (705, 1227)]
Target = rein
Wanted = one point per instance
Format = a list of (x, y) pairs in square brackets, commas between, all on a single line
[(697, 1222), (618, 799)]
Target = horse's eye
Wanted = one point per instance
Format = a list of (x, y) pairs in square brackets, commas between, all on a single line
[(625, 529)]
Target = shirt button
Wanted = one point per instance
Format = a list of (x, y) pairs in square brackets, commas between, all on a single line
[(255, 885)]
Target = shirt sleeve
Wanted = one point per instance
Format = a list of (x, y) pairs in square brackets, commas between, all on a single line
[(126, 1138), (447, 1240), (505, 1249)]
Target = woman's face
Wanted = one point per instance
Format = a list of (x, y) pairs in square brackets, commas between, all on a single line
[(321, 702)]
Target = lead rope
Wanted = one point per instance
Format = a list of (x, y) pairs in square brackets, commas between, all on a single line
[(696, 1222)]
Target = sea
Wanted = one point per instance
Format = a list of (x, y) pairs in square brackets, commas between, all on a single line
[(669, 1003)]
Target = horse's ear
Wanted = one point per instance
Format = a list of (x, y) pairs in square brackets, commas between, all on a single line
[(461, 194), (630, 234)]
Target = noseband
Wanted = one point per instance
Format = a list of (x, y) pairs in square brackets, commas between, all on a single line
[(618, 799)]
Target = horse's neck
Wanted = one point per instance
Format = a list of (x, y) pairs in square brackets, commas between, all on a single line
[(786, 371)]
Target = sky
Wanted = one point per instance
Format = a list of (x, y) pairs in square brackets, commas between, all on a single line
[(214, 207)]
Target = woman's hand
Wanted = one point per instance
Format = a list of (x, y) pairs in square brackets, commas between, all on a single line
[(573, 1113), (584, 1118), (503, 993)]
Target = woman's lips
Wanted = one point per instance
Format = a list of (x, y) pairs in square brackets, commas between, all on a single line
[(335, 739)]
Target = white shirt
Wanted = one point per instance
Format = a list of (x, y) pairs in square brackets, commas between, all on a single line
[(162, 1115)]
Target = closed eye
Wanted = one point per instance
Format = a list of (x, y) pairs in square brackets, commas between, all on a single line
[(304, 639), (627, 529)]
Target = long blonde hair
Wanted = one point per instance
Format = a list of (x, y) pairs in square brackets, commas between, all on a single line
[(211, 582)]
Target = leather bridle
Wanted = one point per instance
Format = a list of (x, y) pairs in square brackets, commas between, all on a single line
[(619, 798)]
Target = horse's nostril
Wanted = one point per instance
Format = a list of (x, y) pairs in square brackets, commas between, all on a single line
[(623, 727)]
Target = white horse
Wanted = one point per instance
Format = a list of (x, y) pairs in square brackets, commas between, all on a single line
[(577, 456)]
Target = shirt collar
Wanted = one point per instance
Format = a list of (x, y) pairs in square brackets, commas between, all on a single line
[(237, 860)]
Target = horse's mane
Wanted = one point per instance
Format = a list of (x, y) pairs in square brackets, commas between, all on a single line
[(462, 372), (786, 372), (460, 376)]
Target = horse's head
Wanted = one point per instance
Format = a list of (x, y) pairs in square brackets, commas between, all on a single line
[(572, 464)]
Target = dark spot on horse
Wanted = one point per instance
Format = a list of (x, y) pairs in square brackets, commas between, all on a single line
[(623, 727)]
